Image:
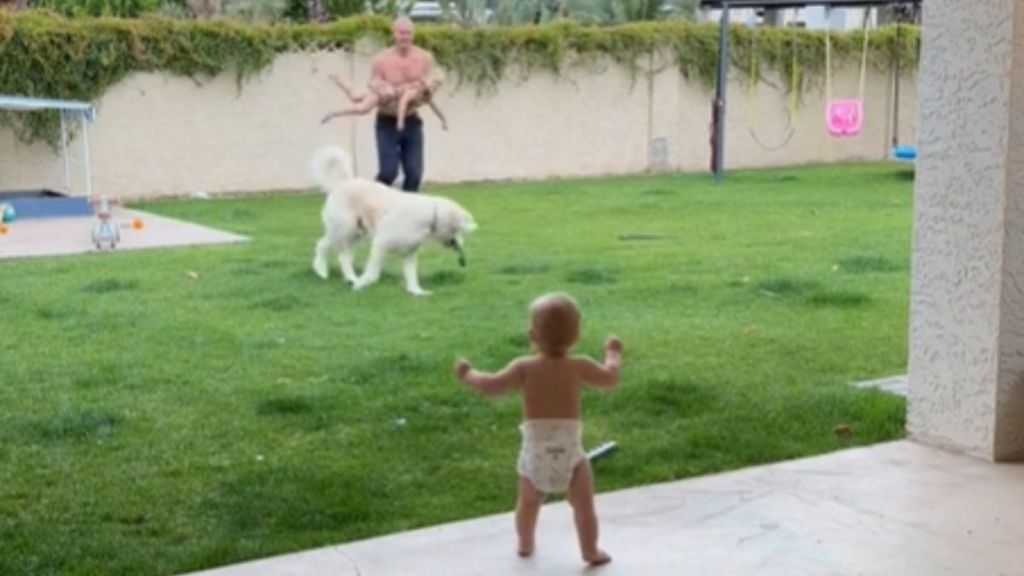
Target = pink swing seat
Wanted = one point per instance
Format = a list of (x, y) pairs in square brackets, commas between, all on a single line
[(844, 117)]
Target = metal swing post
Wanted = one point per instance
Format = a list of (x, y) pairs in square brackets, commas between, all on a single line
[(718, 122)]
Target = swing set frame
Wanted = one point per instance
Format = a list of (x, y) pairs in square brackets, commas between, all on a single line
[(718, 112)]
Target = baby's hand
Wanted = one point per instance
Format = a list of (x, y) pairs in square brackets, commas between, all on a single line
[(462, 368), (613, 344)]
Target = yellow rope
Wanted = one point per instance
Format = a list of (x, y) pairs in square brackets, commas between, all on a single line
[(828, 55), (753, 78), (864, 57), (794, 83)]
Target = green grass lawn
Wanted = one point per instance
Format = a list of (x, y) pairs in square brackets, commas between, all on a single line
[(152, 422)]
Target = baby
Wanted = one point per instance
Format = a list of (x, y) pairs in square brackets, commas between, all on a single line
[(410, 95), (551, 459)]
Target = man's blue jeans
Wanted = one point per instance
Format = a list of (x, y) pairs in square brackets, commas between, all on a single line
[(403, 149)]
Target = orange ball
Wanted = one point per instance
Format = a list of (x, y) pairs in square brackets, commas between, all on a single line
[(137, 224)]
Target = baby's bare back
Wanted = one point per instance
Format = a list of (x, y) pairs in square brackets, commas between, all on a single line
[(551, 388)]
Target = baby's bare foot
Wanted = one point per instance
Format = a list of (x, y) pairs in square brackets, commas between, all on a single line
[(598, 558), (525, 551)]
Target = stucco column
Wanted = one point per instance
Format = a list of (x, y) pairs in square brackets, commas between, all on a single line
[(967, 291)]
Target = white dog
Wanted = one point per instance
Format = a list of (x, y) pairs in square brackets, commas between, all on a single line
[(398, 222)]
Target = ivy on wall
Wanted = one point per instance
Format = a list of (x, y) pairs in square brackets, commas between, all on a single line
[(45, 55)]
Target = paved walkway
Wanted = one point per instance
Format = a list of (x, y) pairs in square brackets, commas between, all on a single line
[(895, 509), (73, 235)]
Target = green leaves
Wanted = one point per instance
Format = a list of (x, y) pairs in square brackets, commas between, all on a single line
[(44, 54)]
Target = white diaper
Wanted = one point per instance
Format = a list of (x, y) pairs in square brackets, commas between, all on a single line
[(550, 452)]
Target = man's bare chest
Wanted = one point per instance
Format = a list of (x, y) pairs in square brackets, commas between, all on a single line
[(404, 69)]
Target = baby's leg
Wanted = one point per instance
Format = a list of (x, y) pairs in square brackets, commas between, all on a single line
[(363, 106), (408, 95), (527, 511), (581, 497)]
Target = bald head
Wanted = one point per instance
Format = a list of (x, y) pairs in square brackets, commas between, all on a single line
[(402, 32), (554, 323)]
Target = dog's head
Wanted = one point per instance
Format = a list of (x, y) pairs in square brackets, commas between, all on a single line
[(453, 223)]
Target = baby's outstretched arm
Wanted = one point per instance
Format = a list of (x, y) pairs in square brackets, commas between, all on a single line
[(605, 375), (505, 381), (355, 98)]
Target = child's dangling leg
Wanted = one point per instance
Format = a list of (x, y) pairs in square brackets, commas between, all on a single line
[(404, 101)]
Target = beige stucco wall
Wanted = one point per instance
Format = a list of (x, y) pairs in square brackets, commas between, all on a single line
[(966, 376), (163, 135)]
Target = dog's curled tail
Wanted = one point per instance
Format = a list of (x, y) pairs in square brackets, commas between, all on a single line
[(331, 164)]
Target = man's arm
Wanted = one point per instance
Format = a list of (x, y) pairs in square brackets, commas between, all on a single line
[(432, 75)]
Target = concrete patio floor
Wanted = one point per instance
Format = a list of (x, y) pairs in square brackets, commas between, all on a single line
[(73, 235), (895, 509)]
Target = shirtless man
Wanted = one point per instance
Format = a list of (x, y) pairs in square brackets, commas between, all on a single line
[(394, 67)]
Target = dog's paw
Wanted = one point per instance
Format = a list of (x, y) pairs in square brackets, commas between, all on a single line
[(320, 267), (360, 283), (418, 292)]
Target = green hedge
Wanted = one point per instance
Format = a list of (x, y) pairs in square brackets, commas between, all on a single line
[(43, 54)]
